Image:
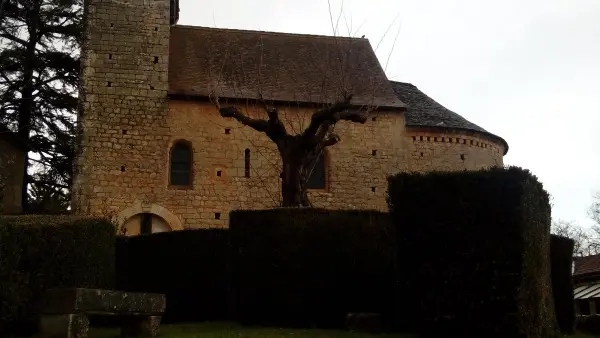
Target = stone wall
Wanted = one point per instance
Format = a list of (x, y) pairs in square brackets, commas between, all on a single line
[(451, 150), (357, 167), (124, 105)]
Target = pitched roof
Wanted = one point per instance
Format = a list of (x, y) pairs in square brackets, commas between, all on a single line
[(283, 67), (587, 265), (423, 111)]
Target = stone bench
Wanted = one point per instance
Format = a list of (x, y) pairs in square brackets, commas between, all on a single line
[(65, 312)]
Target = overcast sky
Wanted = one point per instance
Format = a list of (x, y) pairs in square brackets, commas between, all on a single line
[(526, 70)]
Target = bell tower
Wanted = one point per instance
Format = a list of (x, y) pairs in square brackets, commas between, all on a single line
[(123, 133)]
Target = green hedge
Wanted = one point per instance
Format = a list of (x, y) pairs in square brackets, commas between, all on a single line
[(473, 253), (310, 267), (561, 258), (190, 267), (42, 252)]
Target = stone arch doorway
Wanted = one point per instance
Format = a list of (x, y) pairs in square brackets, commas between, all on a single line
[(145, 224), (144, 219)]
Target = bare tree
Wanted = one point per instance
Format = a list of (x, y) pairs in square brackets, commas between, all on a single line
[(594, 213), (585, 242), (299, 151)]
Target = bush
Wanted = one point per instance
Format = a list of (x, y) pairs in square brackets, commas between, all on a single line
[(310, 267), (589, 324), (561, 265), (190, 267), (473, 253), (42, 252)]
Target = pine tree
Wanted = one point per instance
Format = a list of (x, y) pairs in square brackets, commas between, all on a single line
[(39, 70)]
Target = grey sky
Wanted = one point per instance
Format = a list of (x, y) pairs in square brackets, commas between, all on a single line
[(527, 70)]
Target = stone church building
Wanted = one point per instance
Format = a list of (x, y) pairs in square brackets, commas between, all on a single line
[(156, 155)]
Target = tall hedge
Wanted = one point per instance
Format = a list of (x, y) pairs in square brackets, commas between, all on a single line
[(42, 252), (473, 253), (310, 267), (190, 267), (561, 258)]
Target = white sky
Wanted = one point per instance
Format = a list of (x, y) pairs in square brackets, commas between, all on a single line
[(526, 70)]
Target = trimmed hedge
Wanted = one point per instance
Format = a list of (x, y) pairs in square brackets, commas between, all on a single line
[(473, 253), (561, 260), (190, 267), (589, 324), (310, 267), (42, 252)]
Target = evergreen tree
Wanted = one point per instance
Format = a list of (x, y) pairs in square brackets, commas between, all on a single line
[(39, 71)]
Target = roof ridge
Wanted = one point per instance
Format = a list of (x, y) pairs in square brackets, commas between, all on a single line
[(249, 31)]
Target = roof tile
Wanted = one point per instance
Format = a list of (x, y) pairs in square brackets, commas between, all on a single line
[(283, 67)]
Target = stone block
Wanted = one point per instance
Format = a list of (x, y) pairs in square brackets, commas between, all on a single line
[(61, 301), (64, 326)]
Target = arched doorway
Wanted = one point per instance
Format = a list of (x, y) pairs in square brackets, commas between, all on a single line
[(145, 224)]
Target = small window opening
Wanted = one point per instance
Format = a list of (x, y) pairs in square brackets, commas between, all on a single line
[(151, 87), (217, 215), (435, 139), (124, 132), (247, 162), (227, 131), (471, 142), (156, 29), (421, 154), (110, 56), (462, 157), (420, 138), (109, 84), (156, 59), (219, 173), (414, 138), (112, 25), (373, 189), (122, 168), (374, 152)]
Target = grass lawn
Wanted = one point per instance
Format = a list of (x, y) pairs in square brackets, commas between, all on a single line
[(212, 330)]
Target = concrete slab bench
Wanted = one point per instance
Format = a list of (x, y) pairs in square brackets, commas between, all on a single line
[(65, 312)]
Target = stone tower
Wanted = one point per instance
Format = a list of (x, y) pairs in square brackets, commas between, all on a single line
[(123, 101)]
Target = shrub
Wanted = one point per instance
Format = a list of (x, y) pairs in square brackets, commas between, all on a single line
[(589, 324), (42, 252), (190, 267), (561, 265), (473, 253), (310, 267)]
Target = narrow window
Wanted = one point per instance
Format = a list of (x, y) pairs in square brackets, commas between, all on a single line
[(318, 174), (247, 162), (181, 164)]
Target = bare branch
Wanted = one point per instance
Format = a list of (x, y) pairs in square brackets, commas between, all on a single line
[(257, 124), (331, 140), (327, 114)]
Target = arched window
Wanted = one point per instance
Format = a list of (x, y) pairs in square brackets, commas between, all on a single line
[(181, 164), (318, 177), (247, 162)]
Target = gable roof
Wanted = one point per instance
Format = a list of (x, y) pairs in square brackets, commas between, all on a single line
[(587, 265), (283, 67), (423, 111)]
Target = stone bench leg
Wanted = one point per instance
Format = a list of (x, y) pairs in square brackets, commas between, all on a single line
[(64, 326), (140, 326)]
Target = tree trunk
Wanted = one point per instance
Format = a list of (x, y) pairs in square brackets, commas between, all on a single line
[(293, 189), (26, 107)]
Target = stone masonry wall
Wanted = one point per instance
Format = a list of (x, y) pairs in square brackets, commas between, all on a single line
[(123, 99), (357, 166), (433, 150)]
